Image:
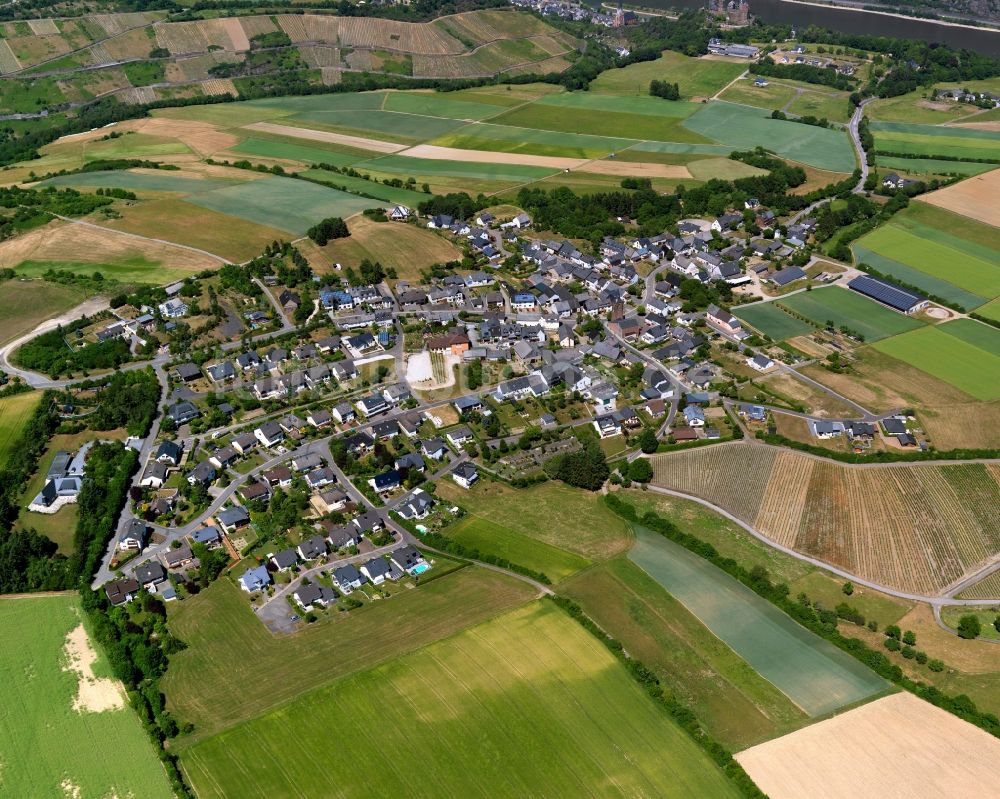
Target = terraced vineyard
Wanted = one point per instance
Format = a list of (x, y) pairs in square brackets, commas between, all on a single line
[(914, 527)]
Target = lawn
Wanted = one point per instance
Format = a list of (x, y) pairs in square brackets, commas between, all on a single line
[(229, 649), (408, 248), (972, 267), (555, 514), (814, 674), (133, 145), (527, 704), (916, 108), (964, 353), (848, 308), (741, 127), (770, 320), (736, 705), (136, 269), (475, 532), (14, 412), (695, 77), (25, 303), (49, 748)]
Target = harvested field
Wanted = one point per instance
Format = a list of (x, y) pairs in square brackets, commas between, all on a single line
[(626, 169), (26, 303), (326, 136), (435, 153), (973, 197), (894, 748), (911, 527), (151, 261), (134, 44), (202, 137)]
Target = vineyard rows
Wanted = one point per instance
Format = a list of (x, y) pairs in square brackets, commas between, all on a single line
[(256, 26), (386, 34), (916, 528)]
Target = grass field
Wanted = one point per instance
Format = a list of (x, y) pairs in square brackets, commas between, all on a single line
[(24, 303), (408, 248), (932, 140), (814, 674), (228, 647), (14, 411), (736, 705), (307, 154), (931, 166), (774, 95), (924, 281), (389, 194), (846, 307), (835, 106), (770, 320), (562, 517), (49, 748), (475, 532), (696, 77), (930, 525), (544, 705), (741, 127), (944, 246), (507, 139), (419, 168), (963, 352)]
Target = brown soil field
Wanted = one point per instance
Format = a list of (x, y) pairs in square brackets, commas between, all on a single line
[(327, 136), (897, 747), (322, 28), (219, 86), (991, 126), (202, 137), (557, 64), (916, 528), (236, 34), (605, 167), (360, 60), (331, 75), (436, 153), (63, 241), (818, 402), (116, 23), (974, 197), (8, 61)]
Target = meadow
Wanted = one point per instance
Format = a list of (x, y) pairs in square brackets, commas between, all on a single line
[(507, 139), (14, 411), (419, 168), (964, 353), (548, 708), (770, 320), (292, 151), (741, 127), (933, 166), (695, 77), (229, 649), (932, 140), (475, 532), (389, 194), (848, 308), (938, 251), (24, 304), (928, 527), (51, 749), (811, 672)]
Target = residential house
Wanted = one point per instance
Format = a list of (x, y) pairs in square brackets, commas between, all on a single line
[(232, 519), (386, 481), (154, 475), (694, 416), (187, 372), (180, 557), (347, 578), (312, 548), (255, 579), (244, 443), (343, 412), (133, 536), (223, 457), (465, 474), (406, 558), (376, 570), (760, 362), (169, 453), (433, 448), (202, 474), (121, 592), (269, 434), (318, 418), (308, 596), (284, 560), (149, 575)]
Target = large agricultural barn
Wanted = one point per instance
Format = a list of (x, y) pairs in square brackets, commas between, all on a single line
[(886, 293)]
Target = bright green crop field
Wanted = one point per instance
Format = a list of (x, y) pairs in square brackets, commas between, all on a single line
[(964, 353), (813, 673), (848, 308), (527, 704), (931, 166), (507, 139), (770, 320), (744, 128), (297, 152), (405, 165), (390, 194), (932, 140), (474, 532), (14, 412), (695, 77), (48, 748)]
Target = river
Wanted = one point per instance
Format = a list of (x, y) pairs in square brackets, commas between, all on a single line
[(801, 16)]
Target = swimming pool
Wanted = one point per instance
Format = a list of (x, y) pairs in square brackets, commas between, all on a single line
[(420, 568)]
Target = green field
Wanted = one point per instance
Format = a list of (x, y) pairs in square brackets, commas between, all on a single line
[(48, 748), (695, 77), (931, 166), (135, 269), (933, 140), (814, 674), (142, 181), (133, 145), (991, 310), (835, 107), (229, 649), (741, 127), (437, 105), (770, 320), (526, 704), (390, 194), (386, 124), (914, 277), (427, 167), (506, 139), (964, 353), (308, 154), (14, 411), (25, 303), (477, 533), (850, 309)]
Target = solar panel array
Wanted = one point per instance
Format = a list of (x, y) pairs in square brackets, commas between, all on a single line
[(886, 293)]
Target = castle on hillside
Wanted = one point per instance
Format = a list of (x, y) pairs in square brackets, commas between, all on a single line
[(735, 12)]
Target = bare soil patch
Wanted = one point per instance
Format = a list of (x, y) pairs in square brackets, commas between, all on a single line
[(94, 694), (973, 197), (993, 126), (324, 135), (898, 746), (640, 170), (202, 137)]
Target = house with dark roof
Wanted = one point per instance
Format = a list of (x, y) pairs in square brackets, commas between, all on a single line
[(376, 570), (284, 560), (312, 548), (347, 578), (308, 596)]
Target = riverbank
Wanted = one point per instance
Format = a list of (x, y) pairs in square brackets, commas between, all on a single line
[(951, 22)]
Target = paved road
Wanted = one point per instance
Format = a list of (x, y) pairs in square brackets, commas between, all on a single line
[(935, 601), (852, 129)]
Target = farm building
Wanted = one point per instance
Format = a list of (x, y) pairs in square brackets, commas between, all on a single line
[(888, 294)]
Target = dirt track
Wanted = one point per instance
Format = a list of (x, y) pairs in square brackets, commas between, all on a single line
[(323, 135), (898, 747)]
